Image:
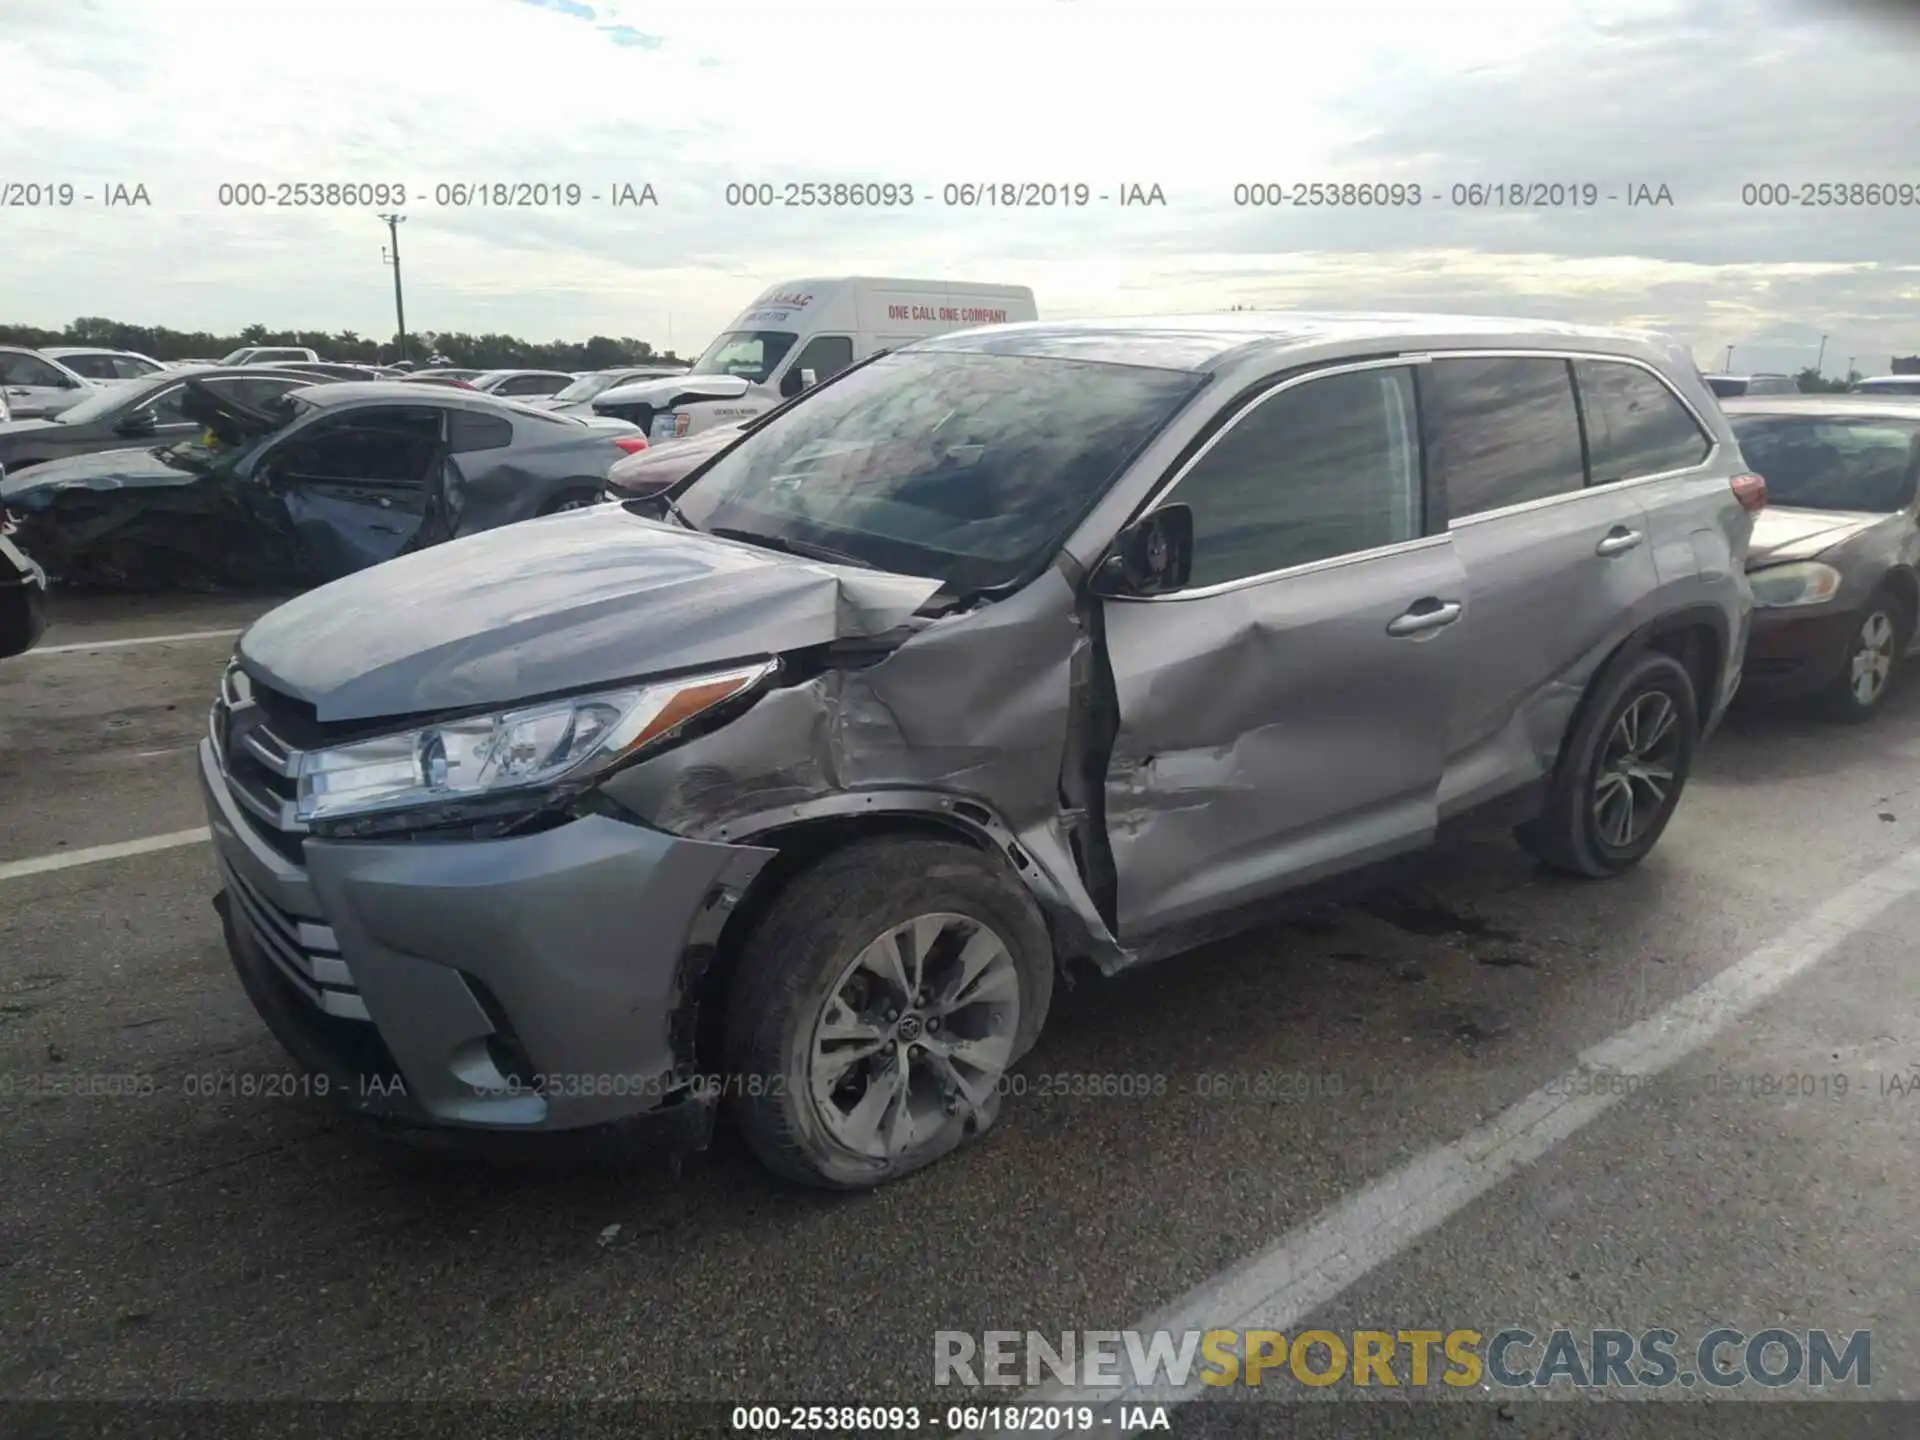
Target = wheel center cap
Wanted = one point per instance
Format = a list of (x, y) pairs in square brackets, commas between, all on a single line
[(910, 1027)]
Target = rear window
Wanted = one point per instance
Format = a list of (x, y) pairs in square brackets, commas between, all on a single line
[(1726, 386), (1832, 463)]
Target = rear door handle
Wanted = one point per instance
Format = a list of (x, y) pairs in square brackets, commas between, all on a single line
[(1426, 615), (1618, 542)]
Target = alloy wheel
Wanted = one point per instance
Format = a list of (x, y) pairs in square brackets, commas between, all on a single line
[(1871, 663), (917, 1031), (1636, 777)]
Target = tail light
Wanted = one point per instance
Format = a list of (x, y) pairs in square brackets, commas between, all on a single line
[(632, 444), (1751, 491)]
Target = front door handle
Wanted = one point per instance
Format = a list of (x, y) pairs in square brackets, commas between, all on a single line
[(1426, 615), (1618, 542)]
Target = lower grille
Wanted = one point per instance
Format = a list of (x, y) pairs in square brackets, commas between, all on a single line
[(306, 954)]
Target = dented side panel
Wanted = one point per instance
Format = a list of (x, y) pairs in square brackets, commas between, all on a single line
[(1274, 734), (973, 708)]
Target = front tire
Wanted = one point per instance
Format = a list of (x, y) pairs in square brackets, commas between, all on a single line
[(1873, 660), (877, 1005), (1622, 771)]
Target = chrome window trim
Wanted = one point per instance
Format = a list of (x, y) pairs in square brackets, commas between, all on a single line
[(1312, 567), (1592, 487)]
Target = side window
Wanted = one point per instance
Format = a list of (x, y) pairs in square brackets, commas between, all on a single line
[(825, 355), (1635, 425), (18, 369), (1323, 469), (126, 367), (166, 406), (469, 430), (1501, 431), (520, 385), (94, 367), (392, 447)]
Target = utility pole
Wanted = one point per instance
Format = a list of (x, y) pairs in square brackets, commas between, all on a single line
[(1821, 357), (391, 255), (1727, 369)]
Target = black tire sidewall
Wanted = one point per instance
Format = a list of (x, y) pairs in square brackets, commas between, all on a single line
[(824, 916), (1648, 671)]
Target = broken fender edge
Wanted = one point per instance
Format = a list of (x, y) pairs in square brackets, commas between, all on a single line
[(1038, 857)]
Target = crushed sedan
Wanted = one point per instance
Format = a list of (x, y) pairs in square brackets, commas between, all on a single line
[(324, 481)]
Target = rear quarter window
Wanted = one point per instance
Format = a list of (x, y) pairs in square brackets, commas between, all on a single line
[(469, 430), (1636, 425)]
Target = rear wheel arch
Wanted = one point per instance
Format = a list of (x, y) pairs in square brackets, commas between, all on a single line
[(1697, 637), (574, 491)]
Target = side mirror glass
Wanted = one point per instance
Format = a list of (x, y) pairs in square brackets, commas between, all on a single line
[(1152, 556), (140, 422)]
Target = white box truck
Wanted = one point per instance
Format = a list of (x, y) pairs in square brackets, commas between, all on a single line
[(801, 332)]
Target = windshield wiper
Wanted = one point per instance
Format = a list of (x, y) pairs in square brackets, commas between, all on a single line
[(802, 548)]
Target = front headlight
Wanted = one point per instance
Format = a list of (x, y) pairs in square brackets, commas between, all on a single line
[(1782, 586), (514, 751)]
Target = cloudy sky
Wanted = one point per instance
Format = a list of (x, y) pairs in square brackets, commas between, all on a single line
[(1699, 96)]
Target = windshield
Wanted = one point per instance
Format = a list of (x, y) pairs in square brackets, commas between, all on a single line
[(1832, 463), (965, 468), (1887, 387), (750, 354)]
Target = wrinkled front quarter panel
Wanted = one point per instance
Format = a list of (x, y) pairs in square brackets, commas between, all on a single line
[(974, 708)]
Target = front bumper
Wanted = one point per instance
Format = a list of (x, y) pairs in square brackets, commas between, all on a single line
[(1797, 651), (537, 982)]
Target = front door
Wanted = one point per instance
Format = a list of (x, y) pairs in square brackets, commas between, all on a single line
[(1283, 717), (356, 486)]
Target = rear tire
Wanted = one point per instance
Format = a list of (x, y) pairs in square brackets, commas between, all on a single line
[(1873, 660), (845, 1072), (577, 499), (1622, 771)]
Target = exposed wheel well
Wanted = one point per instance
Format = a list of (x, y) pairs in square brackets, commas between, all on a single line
[(1906, 588), (800, 846), (1697, 646)]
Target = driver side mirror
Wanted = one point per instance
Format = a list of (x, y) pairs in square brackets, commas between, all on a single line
[(1152, 556), (140, 422), (795, 382)]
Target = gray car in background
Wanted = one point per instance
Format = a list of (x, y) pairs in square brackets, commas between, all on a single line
[(1019, 647), (37, 386), (105, 366), (522, 384), (577, 398), (302, 488)]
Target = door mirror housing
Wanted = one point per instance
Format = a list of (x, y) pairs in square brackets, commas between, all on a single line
[(140, 422), (795, 382), (1152, 556)]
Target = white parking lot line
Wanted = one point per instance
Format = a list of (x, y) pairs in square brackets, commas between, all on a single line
[(67, 859), (78, 649), (1278, 1288)]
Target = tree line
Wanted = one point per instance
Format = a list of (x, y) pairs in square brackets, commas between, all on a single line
[(486, 352)]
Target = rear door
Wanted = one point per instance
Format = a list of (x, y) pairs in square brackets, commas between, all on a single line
[(1556, 571), (1283, 717)]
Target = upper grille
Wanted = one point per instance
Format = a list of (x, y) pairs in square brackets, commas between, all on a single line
[(260, 768)]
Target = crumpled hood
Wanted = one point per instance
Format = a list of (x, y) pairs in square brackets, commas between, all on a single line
[(103, 470), (588, 598), (1781, 534), (659, 392)]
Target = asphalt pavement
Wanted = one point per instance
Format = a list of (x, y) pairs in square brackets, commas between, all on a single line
[(178, 1222)]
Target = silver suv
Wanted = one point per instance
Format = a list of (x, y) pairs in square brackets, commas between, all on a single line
[(793, 784)]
